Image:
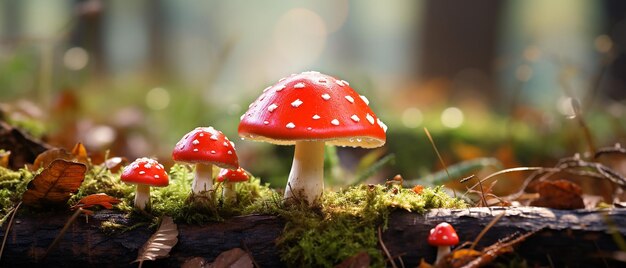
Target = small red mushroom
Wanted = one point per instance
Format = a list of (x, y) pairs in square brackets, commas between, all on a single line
[(144, 172), (230, 177), (443, 236), (309, 110), (205, 147)]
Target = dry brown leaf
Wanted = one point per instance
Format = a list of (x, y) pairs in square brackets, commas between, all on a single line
[(360, 260), (78, 154), (234, 258), (195, 262), (160, 243), (424, 264), (558, 194), (55, 184), (96, 199), (23, 148), (114, 164), (4, 159)]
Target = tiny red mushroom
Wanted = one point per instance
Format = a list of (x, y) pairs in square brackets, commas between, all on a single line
[(230, 177), (144, 172), (443, 236), (309, 110), (205, 147)]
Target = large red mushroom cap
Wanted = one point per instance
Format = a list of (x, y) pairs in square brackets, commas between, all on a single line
[(206, 145), (145, 171), (312, 107), (443, 235), (233, 175)]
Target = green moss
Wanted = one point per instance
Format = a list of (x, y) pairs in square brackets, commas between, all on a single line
[(12, 186), (347, 223)]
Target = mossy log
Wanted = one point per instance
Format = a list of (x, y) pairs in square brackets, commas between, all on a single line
[(577, 238)]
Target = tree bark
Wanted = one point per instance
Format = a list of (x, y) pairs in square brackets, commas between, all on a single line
[(569, 238)]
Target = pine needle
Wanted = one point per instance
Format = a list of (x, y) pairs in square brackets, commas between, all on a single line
[(6, 233), (432, 142)]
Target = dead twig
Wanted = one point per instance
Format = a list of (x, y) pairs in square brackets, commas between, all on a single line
[(385, 250), (6, 233), (484, 231), (62, 232)]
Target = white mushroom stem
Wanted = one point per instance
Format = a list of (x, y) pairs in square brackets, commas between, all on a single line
[(306, 178), (442, 251), (203, 178), (142, 196), (229, 193)]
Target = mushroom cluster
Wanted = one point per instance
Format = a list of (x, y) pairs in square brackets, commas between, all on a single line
[(205, 147), (310, 110)]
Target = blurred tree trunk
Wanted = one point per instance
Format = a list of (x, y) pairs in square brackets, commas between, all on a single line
[(156, 20), (460, 35), (616, 29), (88, 32)]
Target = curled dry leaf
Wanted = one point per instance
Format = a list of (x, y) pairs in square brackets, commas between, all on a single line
[(360, 260), (96, 199), (4, 158), (559, 194), (232, 258), (55, 184), (160, 243), (78, 154), (23, 148)]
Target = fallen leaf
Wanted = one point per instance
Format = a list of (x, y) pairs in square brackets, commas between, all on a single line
[(4, 158), (418, 189), (360, 260), (55, 184), (195, 262), (96, 199), (24, 149), (160, 243), (114, 164), (424, 264), (234, 258), (78, 154), (558, 194)]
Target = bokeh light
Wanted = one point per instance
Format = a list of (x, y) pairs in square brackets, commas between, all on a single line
[(158, 98), (75, 58), (452, 117), (412, 117)]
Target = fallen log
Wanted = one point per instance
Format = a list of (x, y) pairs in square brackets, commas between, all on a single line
[(576, 238)]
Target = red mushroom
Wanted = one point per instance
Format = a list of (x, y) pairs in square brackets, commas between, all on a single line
[(443, 236), (230, 177), (309, 110), (205, 147), (144, 172)]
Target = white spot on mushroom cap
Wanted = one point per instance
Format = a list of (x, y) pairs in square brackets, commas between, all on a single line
[(232, 144), (142, 172), (335, 122), (156, 176), (370, 118), (147, 165), (382, 125), (225, 144), (322, 80), (296, 103), (195, 150), (230, 152), (325, 96), (315, 117), (350, 99), (290, 125), (267, 88), (201, 134), (345, 82), (365, 99), (281, 88), (195, 142), (242, 116), (309, 128), (213, 151), (299, 85), (266, 122), (355, 118), (340, 82), (272, 107), (214, 137), (282, 79)]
